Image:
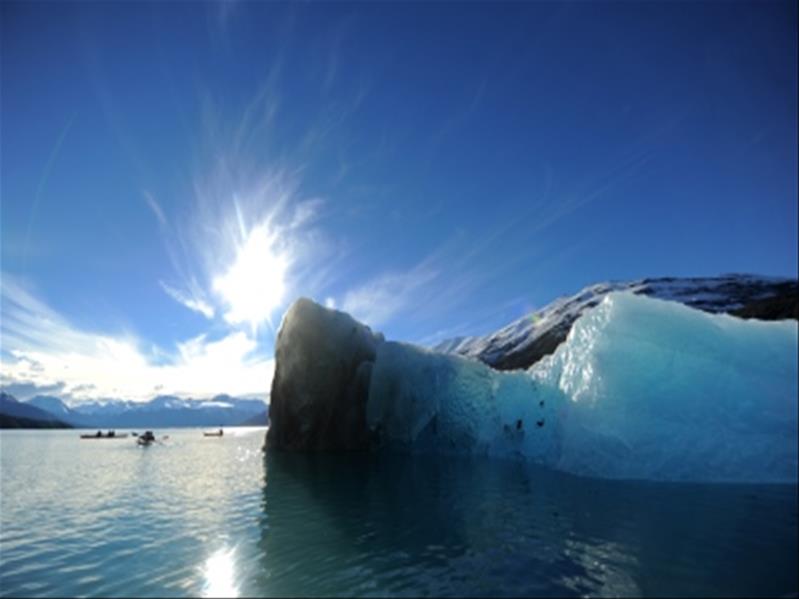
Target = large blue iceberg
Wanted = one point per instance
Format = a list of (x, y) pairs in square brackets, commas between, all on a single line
[(641, 388), (658, 390)]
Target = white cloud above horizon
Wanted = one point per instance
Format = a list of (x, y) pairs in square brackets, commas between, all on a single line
[(246, 244), (42, 349)]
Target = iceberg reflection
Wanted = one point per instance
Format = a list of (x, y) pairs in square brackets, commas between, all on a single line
[(388, 524)]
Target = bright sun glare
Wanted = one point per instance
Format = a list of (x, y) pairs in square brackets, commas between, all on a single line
[(254, 285), (219, 575)]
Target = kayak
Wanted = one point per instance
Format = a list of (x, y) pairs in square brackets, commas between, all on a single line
[(212, 434), (104, 436), (148, 438)]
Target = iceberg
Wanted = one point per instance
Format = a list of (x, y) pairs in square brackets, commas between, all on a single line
[(658, 390), (323, 360), (641, 388)]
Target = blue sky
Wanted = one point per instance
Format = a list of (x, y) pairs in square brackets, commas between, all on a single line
[(175, 174)]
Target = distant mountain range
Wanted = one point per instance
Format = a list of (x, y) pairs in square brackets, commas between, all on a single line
[(17, 414), (525, 341), (161, 411)]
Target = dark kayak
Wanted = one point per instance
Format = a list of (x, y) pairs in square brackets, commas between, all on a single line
[(147, 438), (104, 436)]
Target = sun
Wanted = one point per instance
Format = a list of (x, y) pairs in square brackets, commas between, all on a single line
[(254, 285)]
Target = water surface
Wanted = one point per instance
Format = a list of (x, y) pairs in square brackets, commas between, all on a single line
[(206, 516)]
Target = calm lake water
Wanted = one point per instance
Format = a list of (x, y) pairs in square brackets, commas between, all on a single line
[(207, 516)]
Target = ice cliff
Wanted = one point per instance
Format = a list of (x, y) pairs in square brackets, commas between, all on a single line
[(641, 388)]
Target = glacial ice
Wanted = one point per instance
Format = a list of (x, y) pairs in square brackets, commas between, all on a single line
[(642, 388), (423, 401), (662, 391)]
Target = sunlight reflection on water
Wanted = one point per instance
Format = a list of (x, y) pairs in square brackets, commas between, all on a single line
[(219, 574)]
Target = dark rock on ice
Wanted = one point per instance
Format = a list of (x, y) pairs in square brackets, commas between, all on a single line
[(323, 364)]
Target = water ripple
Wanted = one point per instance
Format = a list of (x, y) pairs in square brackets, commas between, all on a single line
[(222, 518)]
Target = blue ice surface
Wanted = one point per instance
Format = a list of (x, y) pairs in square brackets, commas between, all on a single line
[(641, 389)]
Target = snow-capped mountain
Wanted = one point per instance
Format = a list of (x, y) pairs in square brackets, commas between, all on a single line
[(161, 411), (526, 340), (17, 414), (52, 405), (107, 407)]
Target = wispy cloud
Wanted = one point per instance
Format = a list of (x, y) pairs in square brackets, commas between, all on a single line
[(379, 300), (156, 208), (447, 278), (45, 176), (338, 36), (42, 349), (305, 212), (197, 304), (225, 10), (253, 239)]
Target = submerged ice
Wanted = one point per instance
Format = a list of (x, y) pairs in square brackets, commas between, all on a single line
[(641, 388)]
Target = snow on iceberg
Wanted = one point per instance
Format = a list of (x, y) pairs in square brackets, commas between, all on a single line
[(642, 388)]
